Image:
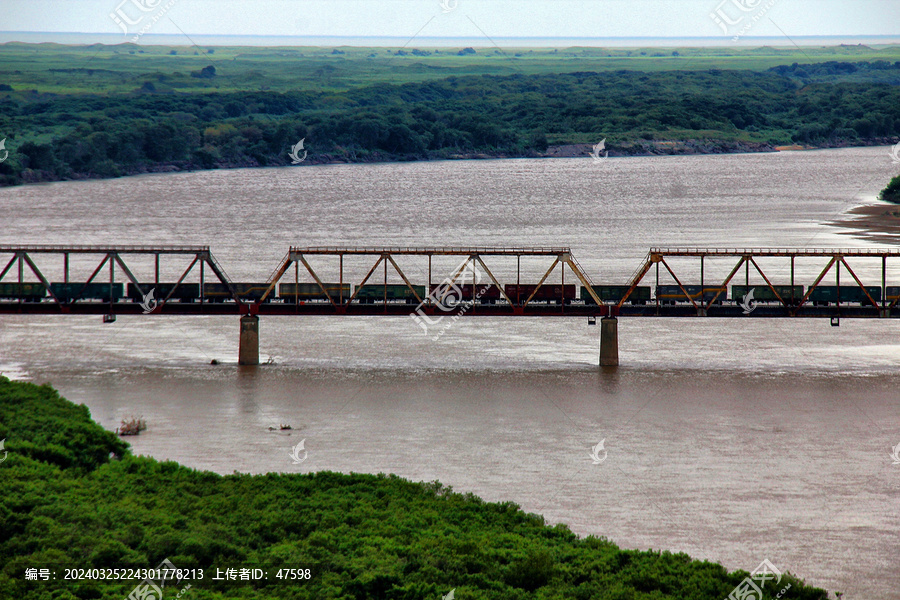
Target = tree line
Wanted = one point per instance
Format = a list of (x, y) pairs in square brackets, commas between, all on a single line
[(56, 137)]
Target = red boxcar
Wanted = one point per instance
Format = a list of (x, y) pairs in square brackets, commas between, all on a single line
[(546, 293)]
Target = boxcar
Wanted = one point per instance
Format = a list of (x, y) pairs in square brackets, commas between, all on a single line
[(185, 292), (395, 292), (546, 293), (671, 294), (892, 293), (248, 292), (792, 294), (486, 294), (824, 295), (67, 292), (614, 293), (291, 292), (29, 292)]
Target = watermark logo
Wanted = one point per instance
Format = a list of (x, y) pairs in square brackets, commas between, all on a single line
[(449, 296), (595, 453), (296, 159), (747, 303), (131, 13), (598, 148), (731, 14), (295, 455), (151, 588), (447, 6), (149, 304), (5, 452), (450, 595), (751, 587), (895, 455), (895, 152), (3, 148)]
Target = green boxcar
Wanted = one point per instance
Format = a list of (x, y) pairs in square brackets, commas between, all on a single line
[(828, 294), (185, 292), (67, 292), (292, 292), (30, 292), (614, 293), (247, 292), (368, 294), (763, 293)]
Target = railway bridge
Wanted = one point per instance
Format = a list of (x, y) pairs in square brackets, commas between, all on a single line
[(480, 281)]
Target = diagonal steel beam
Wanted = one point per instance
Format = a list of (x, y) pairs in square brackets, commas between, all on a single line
[(208, 258), (769, 283), (276, 277), (91, 278), (40, 276), (494, 279), (403, 276), (128, 272), (816, 284), (541, 282), (584, 282), (9, 265), (726, 282), (366, 278), (675, 277), (319, 281), (636, 279), (177, 283), (858, 282)]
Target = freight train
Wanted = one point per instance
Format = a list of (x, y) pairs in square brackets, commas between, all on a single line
[(822, 295)]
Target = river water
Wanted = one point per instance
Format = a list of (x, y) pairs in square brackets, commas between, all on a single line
[(733, 440)]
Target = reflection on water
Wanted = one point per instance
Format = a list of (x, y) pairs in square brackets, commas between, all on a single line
[(733, 440)]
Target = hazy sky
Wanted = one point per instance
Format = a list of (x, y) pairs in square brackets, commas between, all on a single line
[(459, 18)]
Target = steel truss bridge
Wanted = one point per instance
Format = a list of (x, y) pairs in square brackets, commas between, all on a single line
[(38, 280)]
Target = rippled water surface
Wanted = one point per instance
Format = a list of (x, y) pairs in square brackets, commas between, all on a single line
[(732, 440)]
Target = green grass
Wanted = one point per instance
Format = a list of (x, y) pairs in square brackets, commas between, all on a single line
[(363, 536), (122, 68)]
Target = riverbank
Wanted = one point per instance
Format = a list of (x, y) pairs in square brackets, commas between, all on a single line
[(67, 504)]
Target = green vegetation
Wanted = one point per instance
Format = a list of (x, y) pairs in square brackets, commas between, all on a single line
[(892, 192), (112, 114), (125, 68), (363, 536)]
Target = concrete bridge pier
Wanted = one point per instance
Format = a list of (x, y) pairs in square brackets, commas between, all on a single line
[(609, 342), (248, 349)]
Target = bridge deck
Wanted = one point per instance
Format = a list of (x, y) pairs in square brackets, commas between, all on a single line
[(478, 310)]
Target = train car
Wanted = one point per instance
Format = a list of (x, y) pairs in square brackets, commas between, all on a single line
[(395, 292), (28, 292), (614, 293), (792, 294), (68, 292), (485, 294), (546, 293), (185, 292), (672, 294), (892, 294), (248, 292), (304, 292), (824, 295)]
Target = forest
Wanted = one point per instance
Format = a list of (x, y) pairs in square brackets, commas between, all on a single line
[(74, 496), (158, 127)]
